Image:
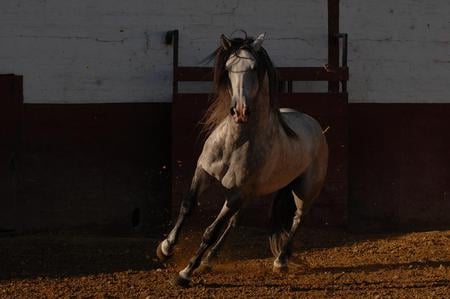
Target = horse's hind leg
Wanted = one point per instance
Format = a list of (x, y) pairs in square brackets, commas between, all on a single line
[(200, 183), (212, 254), (280, 263), (304, 190)]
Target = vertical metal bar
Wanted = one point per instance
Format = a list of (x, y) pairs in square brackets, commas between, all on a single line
[(344, 48), (290, 86), (175, 61), (333, 42), (344, 37), (281, 85)]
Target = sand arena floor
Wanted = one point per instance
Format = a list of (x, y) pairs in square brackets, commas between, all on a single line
[(329, 263)]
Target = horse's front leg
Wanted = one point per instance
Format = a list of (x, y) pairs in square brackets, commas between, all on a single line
[(212, 254), (210, 236), (200, 183)]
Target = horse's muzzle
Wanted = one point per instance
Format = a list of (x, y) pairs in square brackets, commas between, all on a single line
[(240, 114)]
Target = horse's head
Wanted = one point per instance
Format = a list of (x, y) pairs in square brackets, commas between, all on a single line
[(242, 68)]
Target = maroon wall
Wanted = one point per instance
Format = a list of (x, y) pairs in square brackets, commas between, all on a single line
[(96, 166), (399, 170), (11, 100), (105, 166)]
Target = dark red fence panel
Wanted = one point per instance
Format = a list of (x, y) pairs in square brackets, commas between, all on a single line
[(11, 103)]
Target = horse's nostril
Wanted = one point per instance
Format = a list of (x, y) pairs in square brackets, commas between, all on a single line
[(232, 111)]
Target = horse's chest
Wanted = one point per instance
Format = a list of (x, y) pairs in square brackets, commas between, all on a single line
[(231, 166)]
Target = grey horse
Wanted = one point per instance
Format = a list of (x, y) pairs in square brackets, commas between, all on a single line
[(253, 149)]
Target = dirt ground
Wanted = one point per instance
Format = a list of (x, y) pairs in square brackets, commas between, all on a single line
[(328, 263)]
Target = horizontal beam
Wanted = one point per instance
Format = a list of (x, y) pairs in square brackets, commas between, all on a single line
[(285, 74), (283, 97), (186, 73), (312, 74)]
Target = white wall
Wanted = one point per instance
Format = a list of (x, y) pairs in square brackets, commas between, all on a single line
[(113, 50), (93, 51), (399, 50)]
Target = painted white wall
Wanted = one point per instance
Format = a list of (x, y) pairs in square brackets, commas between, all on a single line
[(93, 51), (399, 50)]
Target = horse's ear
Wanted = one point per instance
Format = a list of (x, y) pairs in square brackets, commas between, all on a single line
[(258, 41), (225, 42)]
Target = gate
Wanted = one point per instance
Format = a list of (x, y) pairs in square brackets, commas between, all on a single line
[(11, 100), (328, 107)]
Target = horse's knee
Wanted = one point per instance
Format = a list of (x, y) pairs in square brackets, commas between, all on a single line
[(233, 222), (212, 232), (208, 235), (187, 205)]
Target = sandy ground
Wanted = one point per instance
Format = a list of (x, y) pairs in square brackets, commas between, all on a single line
[(328, 263)]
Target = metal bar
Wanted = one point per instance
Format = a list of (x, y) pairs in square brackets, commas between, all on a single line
[(290, 86), (281, 86), (333, 41), (172, 39), (344, 37), (311, 74), (298, 96), (344, 86), (184, 73)]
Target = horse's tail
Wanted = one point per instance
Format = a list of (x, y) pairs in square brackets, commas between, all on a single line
[(282, 214)]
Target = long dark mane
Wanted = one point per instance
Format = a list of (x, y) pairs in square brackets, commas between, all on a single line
[(220, 106)]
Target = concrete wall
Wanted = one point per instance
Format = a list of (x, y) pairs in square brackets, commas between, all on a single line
[(113, 51), (399, 50)]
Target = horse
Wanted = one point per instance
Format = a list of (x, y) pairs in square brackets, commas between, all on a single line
[(253, 148)]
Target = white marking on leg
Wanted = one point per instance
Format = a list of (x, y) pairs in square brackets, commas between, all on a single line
[(278, 264), (165, 247), (185, 273)]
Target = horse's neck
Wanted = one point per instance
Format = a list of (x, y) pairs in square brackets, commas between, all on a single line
[(262, 125)]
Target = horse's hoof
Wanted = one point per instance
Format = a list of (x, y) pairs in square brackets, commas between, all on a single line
[(204, 268), (160, 254), (181, 282), (284, 269)]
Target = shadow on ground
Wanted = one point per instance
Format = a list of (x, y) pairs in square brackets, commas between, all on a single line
[(47, 255), (67, 255)]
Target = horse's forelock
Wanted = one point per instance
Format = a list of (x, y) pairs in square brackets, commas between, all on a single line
[(219, 108)]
